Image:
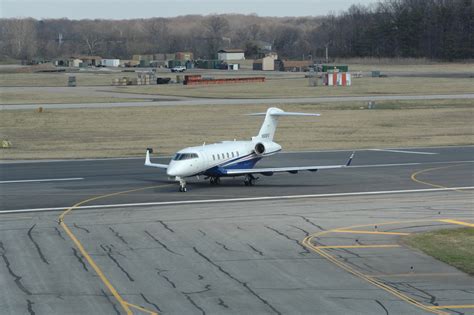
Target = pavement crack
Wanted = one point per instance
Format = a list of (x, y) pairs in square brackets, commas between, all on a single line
[(79, 258), (81, 228), (149, 302), (59, 233), (107, 297), (166, 278), (108, 251), (255, 249), (30, 307), (16, 277), (306, 233), (202, 233), (311, 222), (117, 234), (244, 284), (206, 288), (305, 250), (432, 298), (161, 243), (222, 303), (194, 303), (38, 248), (165, 226), (384, 308), (224, 246)]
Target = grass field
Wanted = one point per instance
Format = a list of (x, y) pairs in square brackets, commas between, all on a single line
[(300, 88), (80, 133), (28, 97), (453, 246)]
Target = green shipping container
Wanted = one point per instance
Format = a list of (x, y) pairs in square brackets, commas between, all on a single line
[(341, 68)]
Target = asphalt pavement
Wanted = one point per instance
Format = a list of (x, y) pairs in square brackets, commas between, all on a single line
[(333, 249)]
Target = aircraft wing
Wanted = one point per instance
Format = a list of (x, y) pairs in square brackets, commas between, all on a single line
[(148, 162), (292, 170)]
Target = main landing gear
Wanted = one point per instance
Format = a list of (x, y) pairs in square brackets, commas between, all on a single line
[(215, 180), (250, 180)]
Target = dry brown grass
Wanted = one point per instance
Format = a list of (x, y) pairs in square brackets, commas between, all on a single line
[(80, 133), (28, 97)]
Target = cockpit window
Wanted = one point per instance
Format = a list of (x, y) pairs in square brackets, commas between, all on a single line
[(185, 156)]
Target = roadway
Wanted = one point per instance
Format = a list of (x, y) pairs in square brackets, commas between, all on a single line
[(163, 100), (255, 256)]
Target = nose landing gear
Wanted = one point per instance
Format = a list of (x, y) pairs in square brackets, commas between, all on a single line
[(182, 184)]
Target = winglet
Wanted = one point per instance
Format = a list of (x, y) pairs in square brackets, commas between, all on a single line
[(149, 163), (350, 159), (147, 158)]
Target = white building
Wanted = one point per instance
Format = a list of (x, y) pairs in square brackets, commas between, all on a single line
[(230, 54), (110, 62)]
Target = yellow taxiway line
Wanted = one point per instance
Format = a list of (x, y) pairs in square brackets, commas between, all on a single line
[(453, 306), (372, 278), (125, 305), (413, 176), (369, 232), (356, 246), (457, 222)]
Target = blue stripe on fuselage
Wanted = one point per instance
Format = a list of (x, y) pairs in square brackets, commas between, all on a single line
[(219, 171)]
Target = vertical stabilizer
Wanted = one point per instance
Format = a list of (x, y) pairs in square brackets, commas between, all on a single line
[(267, 131)]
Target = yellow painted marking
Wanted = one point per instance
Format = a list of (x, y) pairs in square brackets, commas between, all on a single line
[(369, 232), (413, 176), (370, 279), (414, 274), (125, 305), (457, 222), (141, 309), (453, 306), (358, 246)]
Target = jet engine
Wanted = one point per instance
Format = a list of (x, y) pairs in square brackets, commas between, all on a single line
[(259, 148)]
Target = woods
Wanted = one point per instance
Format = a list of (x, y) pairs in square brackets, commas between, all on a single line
[(433, 29)]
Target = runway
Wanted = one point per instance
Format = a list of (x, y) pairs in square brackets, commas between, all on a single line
[(337, 252)]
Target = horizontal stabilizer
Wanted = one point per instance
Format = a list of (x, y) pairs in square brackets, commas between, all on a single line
[(284, 114)]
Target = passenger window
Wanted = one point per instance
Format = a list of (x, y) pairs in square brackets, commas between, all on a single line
[(227, 154), (213, 157), (232, 154), (237, 153)]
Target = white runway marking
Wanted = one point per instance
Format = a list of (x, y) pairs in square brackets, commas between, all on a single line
[(403, 151), (186, 202), (40, 180)]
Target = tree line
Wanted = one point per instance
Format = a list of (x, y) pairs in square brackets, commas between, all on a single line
[(434, 29)]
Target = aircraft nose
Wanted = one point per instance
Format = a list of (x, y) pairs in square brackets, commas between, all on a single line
[(172, 170)]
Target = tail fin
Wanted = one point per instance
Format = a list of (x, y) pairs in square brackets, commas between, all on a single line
[(267, 131)]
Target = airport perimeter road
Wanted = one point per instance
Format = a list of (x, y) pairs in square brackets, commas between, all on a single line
[(216, 101)]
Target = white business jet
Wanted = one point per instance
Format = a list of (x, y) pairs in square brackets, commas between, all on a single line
[(234, 158)]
